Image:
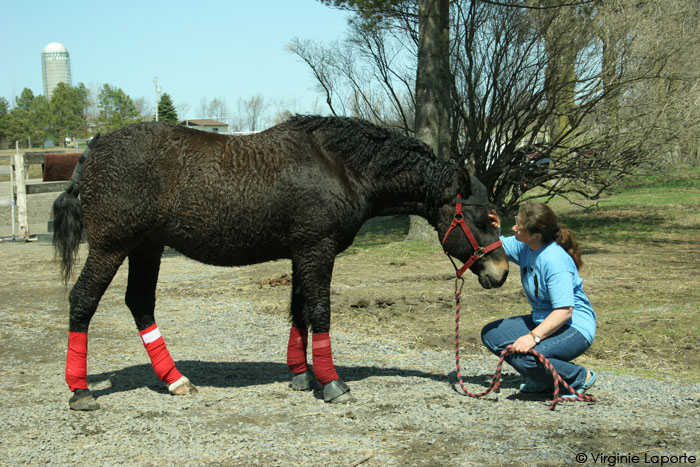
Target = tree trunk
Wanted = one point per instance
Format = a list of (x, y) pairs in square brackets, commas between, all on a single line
[(433, 85), (433, 78), (610, 62), (562, 47)]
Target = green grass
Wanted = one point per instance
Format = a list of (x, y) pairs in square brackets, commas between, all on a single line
[(640, 209), (384, 237), (380, 231), (674, 178), (679, 186)]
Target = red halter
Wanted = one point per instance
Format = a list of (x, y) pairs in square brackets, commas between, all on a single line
[(479, 252)]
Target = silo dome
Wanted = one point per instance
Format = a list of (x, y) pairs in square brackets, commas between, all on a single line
[(55, 47)]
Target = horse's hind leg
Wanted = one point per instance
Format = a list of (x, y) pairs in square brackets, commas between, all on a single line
[(144, 265), (99, 270)]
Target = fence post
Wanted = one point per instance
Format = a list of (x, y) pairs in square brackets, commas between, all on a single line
[(12, 195), (20, 184)]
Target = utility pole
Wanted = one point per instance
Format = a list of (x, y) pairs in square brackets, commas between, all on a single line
[(157, 89)]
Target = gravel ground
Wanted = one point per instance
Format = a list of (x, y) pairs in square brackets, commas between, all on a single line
[(228, 335), (407, 410)]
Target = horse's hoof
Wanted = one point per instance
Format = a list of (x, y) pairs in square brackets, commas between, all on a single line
[(182, 386), (337, 392), (305, 382), (82, 400)]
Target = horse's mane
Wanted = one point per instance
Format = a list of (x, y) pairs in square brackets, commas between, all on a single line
[(366, 145)]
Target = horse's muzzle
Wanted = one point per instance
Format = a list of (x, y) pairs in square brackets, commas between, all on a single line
[(493, 274)]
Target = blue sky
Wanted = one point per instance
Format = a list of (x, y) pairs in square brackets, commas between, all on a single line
[(198, 50)]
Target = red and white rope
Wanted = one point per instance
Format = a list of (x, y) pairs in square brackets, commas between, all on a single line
[(496, 380)]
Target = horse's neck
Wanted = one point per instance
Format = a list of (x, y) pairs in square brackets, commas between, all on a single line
[(415, 191)]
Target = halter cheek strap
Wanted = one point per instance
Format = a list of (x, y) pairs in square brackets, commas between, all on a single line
[(479, 252)]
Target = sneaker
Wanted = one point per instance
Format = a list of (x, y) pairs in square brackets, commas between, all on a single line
[(536, 386), (584, 387)]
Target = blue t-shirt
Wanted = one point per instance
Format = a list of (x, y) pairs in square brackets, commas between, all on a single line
[(550, 280)]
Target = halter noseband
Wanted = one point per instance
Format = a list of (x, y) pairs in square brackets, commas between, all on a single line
[(479, 252)]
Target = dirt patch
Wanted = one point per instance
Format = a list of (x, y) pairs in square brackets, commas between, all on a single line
[(284, 279)]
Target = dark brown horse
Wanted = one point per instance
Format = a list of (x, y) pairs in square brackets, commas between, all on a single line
[(300, 190)]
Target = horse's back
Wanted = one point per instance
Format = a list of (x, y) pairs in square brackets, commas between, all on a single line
[(216, 198)]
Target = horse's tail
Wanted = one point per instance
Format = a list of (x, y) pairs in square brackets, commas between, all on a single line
[(68, 219)]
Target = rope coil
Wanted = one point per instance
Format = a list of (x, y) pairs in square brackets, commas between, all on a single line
[(496, 380)]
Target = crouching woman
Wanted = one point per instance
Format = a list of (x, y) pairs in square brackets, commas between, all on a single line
[(561, 324)]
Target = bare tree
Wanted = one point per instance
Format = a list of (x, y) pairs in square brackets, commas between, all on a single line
[(531, 87), (282, 109), (371, 74), (281, 116), (144, 109), (203, 109), (550, 97), (183, 108), (321, 62), (218, 110), (251, 112), (665, 53)]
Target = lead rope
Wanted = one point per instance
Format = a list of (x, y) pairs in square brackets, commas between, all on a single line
[(496, 380)]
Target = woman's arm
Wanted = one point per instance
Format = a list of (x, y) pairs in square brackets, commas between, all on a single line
[(546, 328)]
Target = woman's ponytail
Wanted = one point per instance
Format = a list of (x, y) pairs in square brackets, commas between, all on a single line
[(567, 240)]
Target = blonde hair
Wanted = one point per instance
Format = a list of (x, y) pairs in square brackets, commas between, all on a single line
[(538, 218)]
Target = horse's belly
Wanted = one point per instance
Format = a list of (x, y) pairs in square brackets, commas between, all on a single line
[(225, 248)]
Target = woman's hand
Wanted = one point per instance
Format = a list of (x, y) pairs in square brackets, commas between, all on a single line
[(546, 328), (495, 219), (523, 344)]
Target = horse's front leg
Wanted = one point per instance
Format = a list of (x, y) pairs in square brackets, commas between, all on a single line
[(312, 269), (303, 379)]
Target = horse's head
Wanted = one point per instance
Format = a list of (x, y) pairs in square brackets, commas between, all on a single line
[(466, 231)]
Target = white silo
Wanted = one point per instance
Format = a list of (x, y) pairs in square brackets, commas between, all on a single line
[(55, 67)]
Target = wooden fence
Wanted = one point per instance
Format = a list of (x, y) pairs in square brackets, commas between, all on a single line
[(18, 169)]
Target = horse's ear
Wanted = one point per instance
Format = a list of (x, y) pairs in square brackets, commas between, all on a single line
[(464, 182), (470, 168)]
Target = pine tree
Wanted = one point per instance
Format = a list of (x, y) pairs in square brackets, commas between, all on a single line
[(67, 111), (166, 109), (4, 118), (117, 109)]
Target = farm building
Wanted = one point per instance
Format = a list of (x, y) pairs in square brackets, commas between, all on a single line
[(55, 67), (206, 124)]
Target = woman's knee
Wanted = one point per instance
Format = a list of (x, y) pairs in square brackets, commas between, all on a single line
[(489, 336), (524, 363)]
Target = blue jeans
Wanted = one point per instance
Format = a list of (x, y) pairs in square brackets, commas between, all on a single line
[(560, 348)]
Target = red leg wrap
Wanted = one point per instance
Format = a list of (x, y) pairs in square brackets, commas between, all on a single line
[(76, 361), (160, 357), (324, 370), (296, 350)]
